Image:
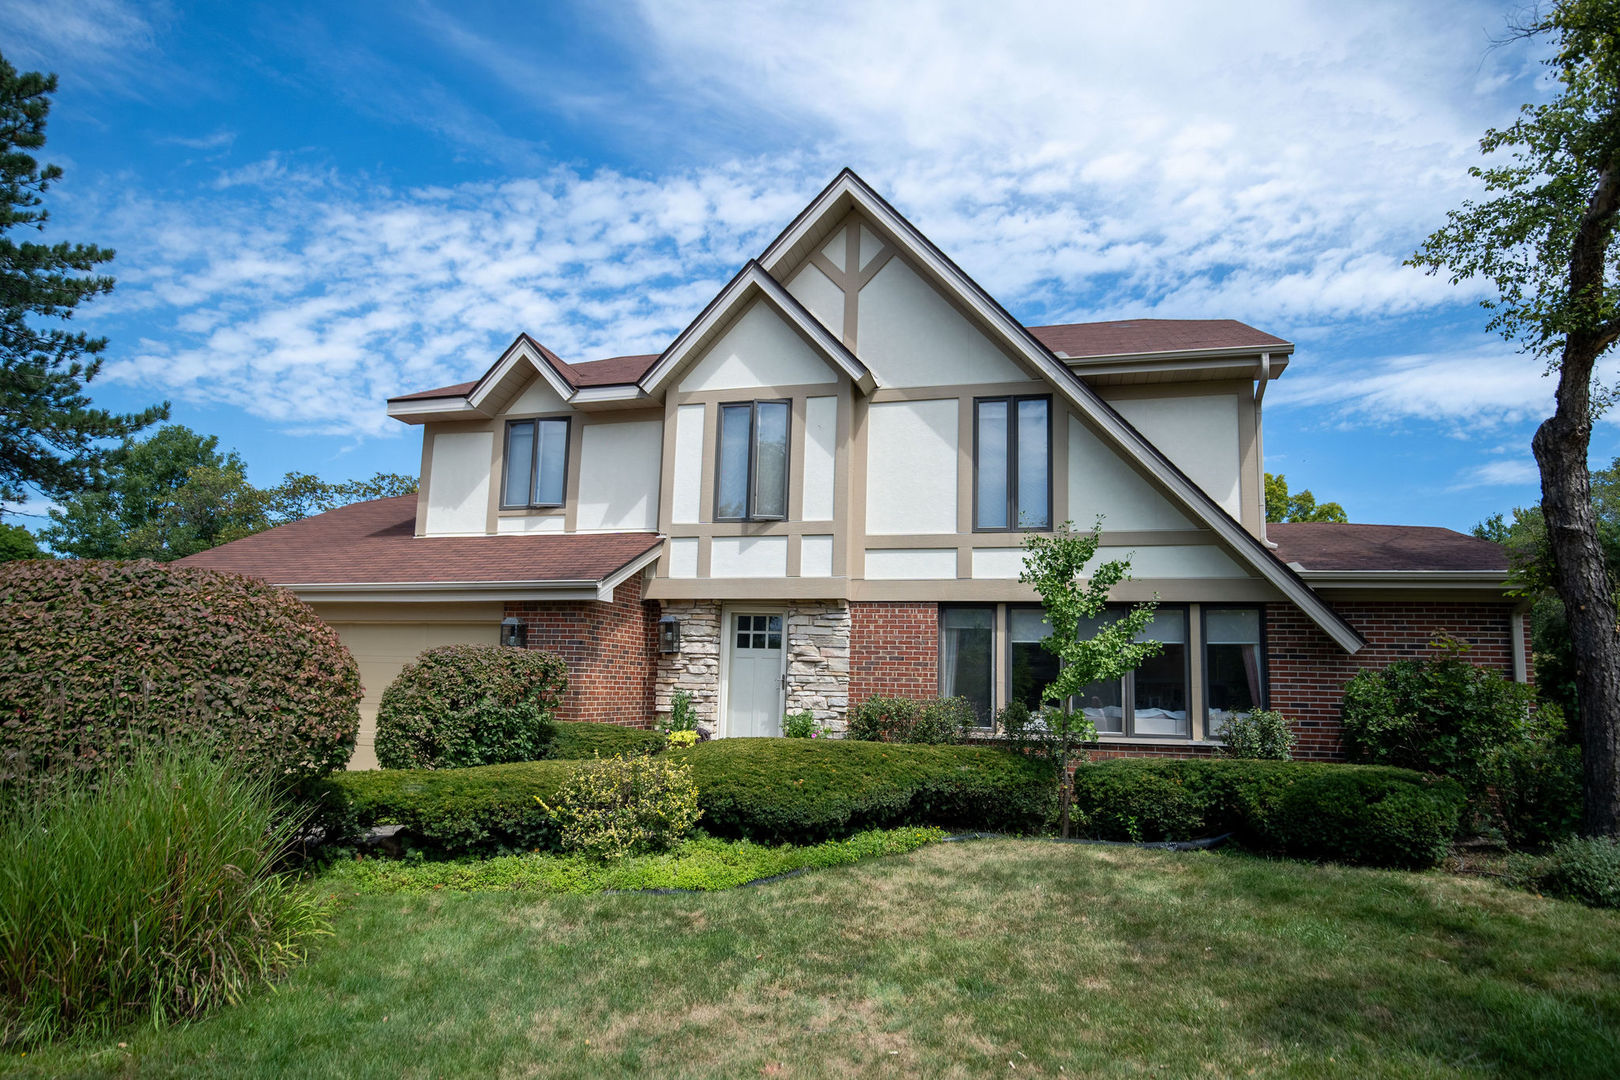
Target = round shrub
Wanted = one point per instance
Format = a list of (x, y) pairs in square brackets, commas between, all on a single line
[(463, 705), (618, 806), (902, 720), (102, 659), (1263, 735)]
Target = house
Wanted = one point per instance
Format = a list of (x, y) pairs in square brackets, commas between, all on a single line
[(822, 485)]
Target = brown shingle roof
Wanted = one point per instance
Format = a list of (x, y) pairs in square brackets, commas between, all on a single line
[(460, 389), (1331, 546), (614, 371), (371, 543), (1128, 336)]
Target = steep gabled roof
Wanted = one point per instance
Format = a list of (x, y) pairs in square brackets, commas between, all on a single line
[(848, 191)]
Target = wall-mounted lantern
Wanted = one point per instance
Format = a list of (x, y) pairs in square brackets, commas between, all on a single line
[(669, 634), (513, 632)]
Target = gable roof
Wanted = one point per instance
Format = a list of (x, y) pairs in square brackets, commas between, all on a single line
[(371, 546), (1384, 548), (848, 191)]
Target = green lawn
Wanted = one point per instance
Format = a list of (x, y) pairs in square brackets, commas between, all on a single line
[(997, 958)]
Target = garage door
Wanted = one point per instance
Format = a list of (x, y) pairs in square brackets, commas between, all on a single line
[(382, 649)]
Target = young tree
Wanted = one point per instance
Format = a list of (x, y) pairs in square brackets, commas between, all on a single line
[(1053, 565), (49, 435), (1545, 240), (1283, 505)]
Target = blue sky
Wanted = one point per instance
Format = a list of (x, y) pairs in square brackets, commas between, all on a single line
[(316, 206)]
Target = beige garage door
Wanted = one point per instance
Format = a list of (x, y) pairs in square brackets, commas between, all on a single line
[(381, 649)]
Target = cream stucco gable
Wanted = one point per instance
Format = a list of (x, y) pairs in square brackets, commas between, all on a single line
[(758, 349), (910, 335)]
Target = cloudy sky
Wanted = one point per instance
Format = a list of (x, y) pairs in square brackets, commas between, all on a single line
[(316, 206)]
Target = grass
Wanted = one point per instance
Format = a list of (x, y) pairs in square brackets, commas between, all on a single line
[(995, 958), (701, 863)]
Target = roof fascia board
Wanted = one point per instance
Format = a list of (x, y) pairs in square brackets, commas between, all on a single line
[(751, 279), (1249, 353), (1112, 424), (425, 409), (522, 349), (1411, 579), (604, 591)]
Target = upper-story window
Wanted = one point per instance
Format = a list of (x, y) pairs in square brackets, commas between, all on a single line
[(1012, 463), (752, 475), (536, 463)]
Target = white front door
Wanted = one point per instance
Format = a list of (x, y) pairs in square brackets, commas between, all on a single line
[(754, 679)]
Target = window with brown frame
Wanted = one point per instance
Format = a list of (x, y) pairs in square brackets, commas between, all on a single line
[(751, 468), (536, 463), (1012, 463)]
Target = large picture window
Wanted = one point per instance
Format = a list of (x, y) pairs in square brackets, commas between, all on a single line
[(536, 463), (1234, 674), (752, 473), (967, 665), (1012, 463)]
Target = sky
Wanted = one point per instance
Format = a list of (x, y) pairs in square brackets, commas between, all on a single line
[(316, 206)]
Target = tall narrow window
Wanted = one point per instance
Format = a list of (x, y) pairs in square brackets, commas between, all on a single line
[(1159, 685), (752, 472), (1233, 673), (536, 463), (1033, 667), (1012, 463), (1103, 703), (967, 656)]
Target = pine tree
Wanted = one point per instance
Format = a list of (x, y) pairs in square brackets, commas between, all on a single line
[(51, 439)]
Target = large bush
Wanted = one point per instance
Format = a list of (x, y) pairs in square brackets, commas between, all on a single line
[(804, 790), (771, 790), (1440, 715), (1346, 813), (459, 706), (1536, 790), (98, 659), (614, 807), (1263, 734), (904, 720), (151, 891)]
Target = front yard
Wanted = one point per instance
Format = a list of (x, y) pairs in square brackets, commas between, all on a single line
[(993, 958)]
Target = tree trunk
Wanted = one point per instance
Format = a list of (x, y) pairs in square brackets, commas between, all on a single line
[(1064, 791), (1580, 575)]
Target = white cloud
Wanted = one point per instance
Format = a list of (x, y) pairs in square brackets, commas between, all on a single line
[(1516, 473)]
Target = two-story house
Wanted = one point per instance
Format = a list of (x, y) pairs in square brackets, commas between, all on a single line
[(819, 490)]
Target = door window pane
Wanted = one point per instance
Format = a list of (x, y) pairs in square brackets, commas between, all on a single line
[(770, 459), (731, 487), (1231, 664), (991, 465), (519, 464), (966, 657), (548, 488), (1034, 511), (1160, 683), (1033, 667)]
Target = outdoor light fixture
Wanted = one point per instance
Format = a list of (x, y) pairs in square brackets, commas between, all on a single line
[(669, 634), (513, 632)]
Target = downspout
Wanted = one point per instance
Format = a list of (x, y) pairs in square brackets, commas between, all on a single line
[(1264, 377)]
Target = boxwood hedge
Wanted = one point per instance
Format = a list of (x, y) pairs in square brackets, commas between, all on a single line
[(1371, 815), (574, 739), (103, 658)]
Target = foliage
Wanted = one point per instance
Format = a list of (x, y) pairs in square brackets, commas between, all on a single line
[(104, 657), (1535, 784), (1260, 733), (1439, 714), (50, 438), (1053, 564), (800, 725), (573, 740), (1284, 505), (17, 542), (1584, 869), (682, 717), (905, 720), (175, 493), (492, 808), (680, 739), (799, 791), (633, 805), (457, 706), (1344, 813), (151, 893), (699, 863)]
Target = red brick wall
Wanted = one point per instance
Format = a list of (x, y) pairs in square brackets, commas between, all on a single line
[(893, 650), (1308, 671), (611, 650)]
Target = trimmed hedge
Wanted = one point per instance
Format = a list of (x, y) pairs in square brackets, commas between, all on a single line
[(580, 739), (104, 658), (770, 790), (458, 706), (802, 791), (1371, 815)]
